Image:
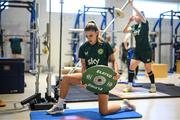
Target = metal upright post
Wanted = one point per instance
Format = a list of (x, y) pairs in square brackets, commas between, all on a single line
[(60, 43), (113, 27), (160, 22), (1, 35), (39, 50), (76, 37), (48, 94), (84, 20), (33, 39), (104, 20), (2, 7), (172, 42)]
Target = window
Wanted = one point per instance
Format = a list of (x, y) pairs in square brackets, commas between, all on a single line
[(72, 6), (154, 9)]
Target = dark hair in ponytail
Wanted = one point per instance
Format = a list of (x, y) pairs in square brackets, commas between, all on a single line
[(91, 26)]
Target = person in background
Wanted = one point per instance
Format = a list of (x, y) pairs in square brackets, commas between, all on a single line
[(113, 45), (129, 47), (143, 51)]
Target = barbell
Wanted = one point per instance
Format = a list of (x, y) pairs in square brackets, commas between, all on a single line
[(118, 13)]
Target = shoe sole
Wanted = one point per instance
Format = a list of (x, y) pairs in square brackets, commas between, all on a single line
[(52, 113), (152, 91), (126, 91)]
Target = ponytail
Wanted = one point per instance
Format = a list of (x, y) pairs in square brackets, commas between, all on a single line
[(91, 26)]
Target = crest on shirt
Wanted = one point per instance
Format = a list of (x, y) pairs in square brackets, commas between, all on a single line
[(100, 51)]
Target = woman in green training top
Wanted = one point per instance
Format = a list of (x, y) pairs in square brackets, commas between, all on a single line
[(93, 52), (142, 50)]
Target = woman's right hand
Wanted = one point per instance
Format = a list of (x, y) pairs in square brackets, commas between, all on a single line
[(131, 18)]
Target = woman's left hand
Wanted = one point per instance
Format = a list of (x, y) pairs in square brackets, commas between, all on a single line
[(83, 85)]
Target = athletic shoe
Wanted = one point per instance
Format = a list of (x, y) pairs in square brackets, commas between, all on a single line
[(56, 109), (129, 105), (128, 89), (152, 88)]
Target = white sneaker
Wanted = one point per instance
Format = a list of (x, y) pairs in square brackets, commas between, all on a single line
[(128, 89), (152, 88), (56, 109), (129, 105)]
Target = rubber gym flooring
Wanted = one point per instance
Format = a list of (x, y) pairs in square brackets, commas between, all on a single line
[(151, 109), (164, 90)]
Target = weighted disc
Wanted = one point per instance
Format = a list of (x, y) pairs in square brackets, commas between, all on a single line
[(99, 79), (119, 13)]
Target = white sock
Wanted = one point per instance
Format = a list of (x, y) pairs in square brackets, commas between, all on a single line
[(130, 84), (60, 101), (153, 85), (124, 107)]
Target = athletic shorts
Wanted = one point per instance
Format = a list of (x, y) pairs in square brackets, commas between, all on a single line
[(145, 57)]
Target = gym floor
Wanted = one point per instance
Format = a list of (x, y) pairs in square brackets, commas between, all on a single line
[(151, 109)]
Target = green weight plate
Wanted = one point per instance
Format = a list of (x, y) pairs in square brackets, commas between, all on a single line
[(99, 79)]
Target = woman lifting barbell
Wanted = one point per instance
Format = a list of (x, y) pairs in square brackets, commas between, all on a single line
[(93, 52)]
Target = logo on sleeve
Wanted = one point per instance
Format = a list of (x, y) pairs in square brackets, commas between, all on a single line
[(86, 53)]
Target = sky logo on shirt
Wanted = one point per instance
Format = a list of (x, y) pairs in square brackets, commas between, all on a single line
[(92, 61), (137, 32)]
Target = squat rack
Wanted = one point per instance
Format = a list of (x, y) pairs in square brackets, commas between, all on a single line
[(174, 44), (31, 7), (76, 35)]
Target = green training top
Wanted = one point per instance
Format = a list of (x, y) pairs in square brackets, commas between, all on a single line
[(97, 54), (141, 33)]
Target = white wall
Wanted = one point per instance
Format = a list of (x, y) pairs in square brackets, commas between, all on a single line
[(68, 22), (18, 18), (16, 22)]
